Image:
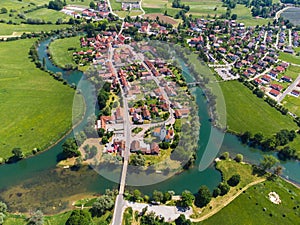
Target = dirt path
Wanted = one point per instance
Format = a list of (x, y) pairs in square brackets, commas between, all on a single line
[(14, 34), (217, 209)]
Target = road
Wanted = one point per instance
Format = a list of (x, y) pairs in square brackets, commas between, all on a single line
[(277, 15), (289, 89)]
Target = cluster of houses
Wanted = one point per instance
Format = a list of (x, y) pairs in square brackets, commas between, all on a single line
[(145, 27), (130, 5), (117, 117), (296, 91)]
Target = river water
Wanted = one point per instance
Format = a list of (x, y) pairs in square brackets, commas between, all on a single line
[(36, 181)]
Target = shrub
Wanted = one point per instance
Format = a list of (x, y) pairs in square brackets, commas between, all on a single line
[(234, 180)]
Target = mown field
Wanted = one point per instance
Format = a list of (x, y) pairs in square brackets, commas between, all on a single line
[(254, 207), (36, 110), (289, 58), (246, 112), (204, 8), (157, 6), (48, 15), (8, 29), (59, 50), (244, 16)]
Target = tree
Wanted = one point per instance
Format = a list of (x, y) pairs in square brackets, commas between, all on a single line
[(136, 195), (278, 170), (268, 162), (216, 192), (181, 220), (70, 148), (18, 154), (36, 218), (167, 196), (157, 196), (225, 155), (92, 5), (224, 188), (3, 10), (187, 199), (234, 180), (138, 160), (234, 16), (79, 217), (238, 158), (2, 217), (203, 196), (287, 153), (258, 138), (102, 204), (3, 207), (56, 5), (245, 137)]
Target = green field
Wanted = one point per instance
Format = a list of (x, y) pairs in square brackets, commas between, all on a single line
[(203, 8), (246, 112), (292, 104), (47, 15), (59, 51), (244, 16), (158, 6), (289, 58), (36, 110), (248, 208), (8, 29)]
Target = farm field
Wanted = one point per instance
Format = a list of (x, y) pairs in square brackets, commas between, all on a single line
[(204, 8), (157, 6), (59, 50), (292, 104), (8, 29), (165, 19), (244, 16), (47, 15), (292, 15), (289, 58), (250, 205), (32, 102), (246, 112)]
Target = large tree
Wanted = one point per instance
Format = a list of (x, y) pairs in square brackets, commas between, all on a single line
[(203, 196), (79, 217), (268, 162), (70, 148), (187, 199), (103, 203)]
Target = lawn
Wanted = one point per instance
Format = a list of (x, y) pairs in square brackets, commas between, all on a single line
[(59, 50), (249, 207), (8, 29), (289, 58), (47, 15), (36, 110), (246, 112)]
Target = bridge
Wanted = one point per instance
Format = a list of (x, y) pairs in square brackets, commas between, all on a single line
[(194, 84)]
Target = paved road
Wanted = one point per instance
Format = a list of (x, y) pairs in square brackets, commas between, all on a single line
[(289, 89)]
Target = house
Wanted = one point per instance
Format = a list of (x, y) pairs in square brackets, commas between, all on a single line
[(135, 146), (274, 92), (119, 115), (160, 132), (287, 79), (295, 93), (266, 78), (276, 87), (154, 148), (257, 81), (184, 112), (146, 114), (280, 69), (251, 71), (273, 73), (178, 114)]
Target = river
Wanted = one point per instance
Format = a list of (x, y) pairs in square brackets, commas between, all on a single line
[(37, 182)]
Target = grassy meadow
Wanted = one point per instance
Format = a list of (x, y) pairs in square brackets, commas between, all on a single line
[(202, 8), (254, 207), (36, 110), (289, 58), (246, 112), (47, 15), (8, 29), (59, 50)]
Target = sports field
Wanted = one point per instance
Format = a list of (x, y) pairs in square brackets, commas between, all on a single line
[(36, 110)]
